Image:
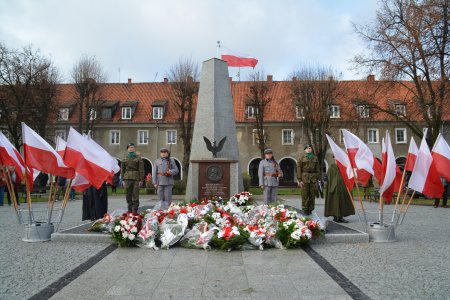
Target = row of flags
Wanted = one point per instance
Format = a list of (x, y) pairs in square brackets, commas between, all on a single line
[(427, 166), (80, 159)]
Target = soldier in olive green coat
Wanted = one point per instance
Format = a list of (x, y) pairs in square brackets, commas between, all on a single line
[(307, 174), (132, 171)]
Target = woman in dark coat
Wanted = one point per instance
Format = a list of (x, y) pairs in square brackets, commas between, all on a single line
[(95, 203), (338, 203)]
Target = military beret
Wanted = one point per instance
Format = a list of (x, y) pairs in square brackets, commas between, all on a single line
[(268, 150), (130, 145), (164, 149), (307, 146)]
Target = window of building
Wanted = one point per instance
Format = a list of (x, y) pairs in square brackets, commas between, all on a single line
[(92, 114), (400, 109), (143, 137), (63, 114), (251, 111), (341, 135), (400, 135), (299, 112), (335, 111), (60, 133), (126, 113), (372, 136), (255, 136), (158, 112), (171, 136), (114, 137), (363, 111), (287, 137)]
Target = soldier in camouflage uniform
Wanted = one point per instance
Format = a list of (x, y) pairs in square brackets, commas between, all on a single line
[(132, 172), (268, 172), (163, 172), (307, 174)]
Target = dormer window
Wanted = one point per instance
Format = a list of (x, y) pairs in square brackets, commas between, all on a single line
[(363, 111), (335, 111), (63, 114), (126, 113), (400, 109), (299, 112), (159, 108), (251, 111), (158, 112)]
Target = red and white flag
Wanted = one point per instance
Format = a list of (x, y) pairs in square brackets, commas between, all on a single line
[(413, 151), (343, 163), (9, 156), (362, 158), (79, 183), (390, 169), (41, 156), (61, 146), (238, 59), (425, 178), (114, 164), (441, 157), (88, 159)]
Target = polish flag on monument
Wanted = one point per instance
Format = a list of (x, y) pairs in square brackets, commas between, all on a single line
[(343, 163), (390, 170), (86, 160), (362, 158), (441, 157), (9, 156), (238, 59), (413, 151), (425, 178), (41, 156)]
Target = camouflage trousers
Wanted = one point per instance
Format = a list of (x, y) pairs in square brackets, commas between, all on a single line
[(132, 190), (308, 197)]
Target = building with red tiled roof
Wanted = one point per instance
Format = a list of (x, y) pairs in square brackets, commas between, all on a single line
[(146, 114)]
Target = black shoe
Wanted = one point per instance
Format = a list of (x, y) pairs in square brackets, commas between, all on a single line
[(342, 220), (336, 220)]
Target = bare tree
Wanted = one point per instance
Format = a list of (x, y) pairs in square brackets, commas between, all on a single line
[(28, 91), (88, 77), (257, 99), (183, 76), (313, 89), (409, 40)]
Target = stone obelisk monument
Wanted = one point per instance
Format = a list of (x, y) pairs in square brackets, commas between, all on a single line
[(214, 168)]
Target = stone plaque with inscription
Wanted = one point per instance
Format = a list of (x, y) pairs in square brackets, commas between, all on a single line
[(214, 179)]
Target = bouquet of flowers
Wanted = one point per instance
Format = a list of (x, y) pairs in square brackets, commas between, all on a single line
[(172, 230), (147, 235), (242, 199), (229, 237), (101, 225), (293, 233), (126, 229), (199, 236)]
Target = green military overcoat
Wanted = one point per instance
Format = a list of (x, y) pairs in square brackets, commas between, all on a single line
[(337, 199)]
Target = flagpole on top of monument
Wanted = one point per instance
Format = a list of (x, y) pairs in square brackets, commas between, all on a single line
[(218, 50)]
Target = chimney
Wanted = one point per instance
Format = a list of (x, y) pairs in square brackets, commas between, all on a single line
[(129, 80), (371, 78), (269, 78), (166, 80)]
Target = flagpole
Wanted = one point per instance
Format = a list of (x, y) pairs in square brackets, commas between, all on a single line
[(400, 190), (403, 204), (12, 194), (64, 203), (406, 210), (359, 194), (356, 210), (218, 50)]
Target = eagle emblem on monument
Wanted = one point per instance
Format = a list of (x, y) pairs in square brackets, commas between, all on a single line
[(213, 147)]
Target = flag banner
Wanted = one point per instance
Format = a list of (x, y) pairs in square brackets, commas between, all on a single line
[(238, 59), (41, 156), (441, 157), (343, 163)]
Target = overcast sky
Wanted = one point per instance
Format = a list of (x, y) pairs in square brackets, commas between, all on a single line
[(144, 38)]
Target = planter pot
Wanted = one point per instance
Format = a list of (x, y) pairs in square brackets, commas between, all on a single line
[(38, 232)]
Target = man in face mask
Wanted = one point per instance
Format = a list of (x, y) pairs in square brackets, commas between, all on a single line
[(132, 173), (163, 172), (307, 174)]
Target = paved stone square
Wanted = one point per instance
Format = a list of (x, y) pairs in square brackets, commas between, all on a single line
[(417, 266)]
